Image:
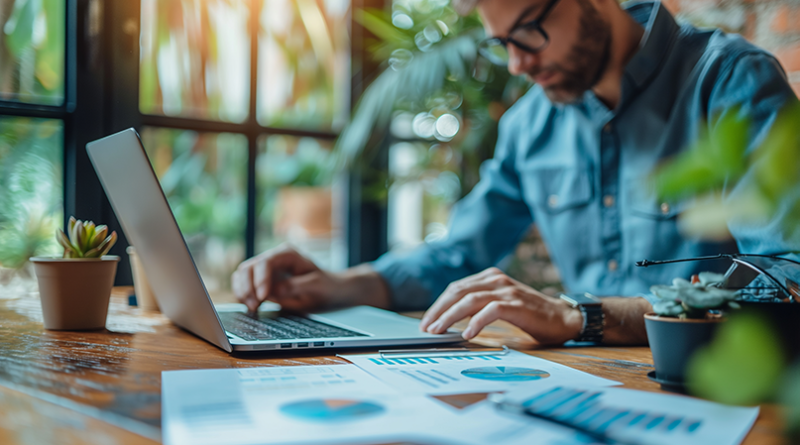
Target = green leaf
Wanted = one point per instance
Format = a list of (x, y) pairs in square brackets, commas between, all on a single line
[(742, 365), (716, 157), (76, 236), (376, 22), (790, 399)]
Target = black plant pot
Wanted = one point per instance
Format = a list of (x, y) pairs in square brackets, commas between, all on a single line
[(673, 341)]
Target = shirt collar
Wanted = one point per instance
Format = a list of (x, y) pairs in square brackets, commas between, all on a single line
[(659, 30)]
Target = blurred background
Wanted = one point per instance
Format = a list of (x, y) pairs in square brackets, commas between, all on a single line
[(347, 128)]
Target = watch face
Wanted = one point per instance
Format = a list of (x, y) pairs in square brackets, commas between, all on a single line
[(581, 299)]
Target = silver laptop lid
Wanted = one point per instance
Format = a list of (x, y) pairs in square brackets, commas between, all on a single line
[(139, 202)]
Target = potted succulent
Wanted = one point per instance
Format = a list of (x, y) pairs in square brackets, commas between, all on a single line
[(683, 320), (75, 289)]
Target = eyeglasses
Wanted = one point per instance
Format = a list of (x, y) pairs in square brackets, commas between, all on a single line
[(780, 275), (528, 36)]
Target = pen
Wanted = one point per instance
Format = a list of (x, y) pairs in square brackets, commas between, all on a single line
[(498, 400)]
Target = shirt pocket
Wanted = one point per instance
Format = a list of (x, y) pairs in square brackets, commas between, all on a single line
[(555, 190), (644, 202)]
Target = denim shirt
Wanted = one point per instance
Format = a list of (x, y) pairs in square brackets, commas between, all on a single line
[(579, 171)]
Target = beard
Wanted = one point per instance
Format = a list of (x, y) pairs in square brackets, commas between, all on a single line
[(588, 58)]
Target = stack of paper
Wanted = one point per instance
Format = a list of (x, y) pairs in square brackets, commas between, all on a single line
[(383, 400)]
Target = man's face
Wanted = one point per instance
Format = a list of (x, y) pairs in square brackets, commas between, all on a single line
[(578, 49)]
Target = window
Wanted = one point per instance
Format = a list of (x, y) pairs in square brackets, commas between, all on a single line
[(32, 51), (234, 92), (239, 102), (204, 176), (32, 113), (195, 59), (295, 202), (304, 64)]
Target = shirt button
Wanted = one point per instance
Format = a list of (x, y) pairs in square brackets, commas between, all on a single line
[(607, 128), (664, 208), (552, 200), (608, 200), (612, 265)]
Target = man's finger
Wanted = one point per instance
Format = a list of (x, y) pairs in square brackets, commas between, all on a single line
[(496, 310), (242, 288), (471, 304), (485, 280), (282, 265)]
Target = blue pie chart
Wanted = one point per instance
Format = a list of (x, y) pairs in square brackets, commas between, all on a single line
[(505, 374), (331, 410)]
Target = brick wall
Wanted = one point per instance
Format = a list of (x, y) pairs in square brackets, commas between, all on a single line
[(771, 24)]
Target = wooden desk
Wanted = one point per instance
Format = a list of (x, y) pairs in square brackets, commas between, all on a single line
[(105, 386)]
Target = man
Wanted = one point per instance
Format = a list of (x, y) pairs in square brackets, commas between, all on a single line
[(618, 90)]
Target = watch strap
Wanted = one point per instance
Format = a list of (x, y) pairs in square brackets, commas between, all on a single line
[(593, 322)]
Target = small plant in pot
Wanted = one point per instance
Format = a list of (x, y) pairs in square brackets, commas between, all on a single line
[(75, 288), (684, 319)]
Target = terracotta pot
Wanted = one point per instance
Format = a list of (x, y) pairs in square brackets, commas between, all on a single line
[(75, 291), (673, 341), (307, 209), (145, 298)]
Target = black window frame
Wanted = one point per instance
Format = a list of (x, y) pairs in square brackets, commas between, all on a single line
[(101, 97)]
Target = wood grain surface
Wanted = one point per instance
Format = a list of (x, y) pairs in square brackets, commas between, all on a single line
[(104, 387)]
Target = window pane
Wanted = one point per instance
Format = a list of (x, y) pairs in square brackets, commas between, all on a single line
[(425, 187), (304, 64), (204, 176), (32, 51), (31, 198), (195, 59), (295, 200)]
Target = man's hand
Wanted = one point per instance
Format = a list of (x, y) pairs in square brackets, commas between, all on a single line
[(286, 277), (492, 295)]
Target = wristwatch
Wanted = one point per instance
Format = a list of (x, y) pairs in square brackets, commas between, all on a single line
[(593, 319)]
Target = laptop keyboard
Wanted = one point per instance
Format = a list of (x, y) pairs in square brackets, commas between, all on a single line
[(285, 327)]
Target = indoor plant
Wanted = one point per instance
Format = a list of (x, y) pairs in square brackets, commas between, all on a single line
[(75, 289), (684, 319), (751, 360)]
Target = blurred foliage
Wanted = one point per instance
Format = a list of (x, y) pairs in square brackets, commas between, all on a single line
[(287, 161), (766, 177), (31, 187), (732, 183), (743, 365), (294, 161), (32, 51), (204, 176), (195, 59), (304, 64), (430, 66)]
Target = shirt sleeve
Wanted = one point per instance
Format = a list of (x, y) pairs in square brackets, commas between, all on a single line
[(484, 228), (757, 87)]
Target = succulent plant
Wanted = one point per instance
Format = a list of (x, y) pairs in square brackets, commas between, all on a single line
[(694, 299), (85, 240)]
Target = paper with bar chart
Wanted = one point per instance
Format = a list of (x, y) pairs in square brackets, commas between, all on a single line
[(292, 405), (642, 417), (469, 374)]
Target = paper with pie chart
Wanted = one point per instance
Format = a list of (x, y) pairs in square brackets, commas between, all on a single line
[(443, 375), (292, 405)]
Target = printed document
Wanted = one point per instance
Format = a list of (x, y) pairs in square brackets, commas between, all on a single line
[(643, 417), (470, 374), (292, 405)]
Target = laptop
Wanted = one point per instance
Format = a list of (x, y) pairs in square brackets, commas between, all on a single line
[(141, 206)]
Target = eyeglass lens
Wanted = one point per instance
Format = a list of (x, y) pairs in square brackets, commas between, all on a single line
[(527, 39)]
